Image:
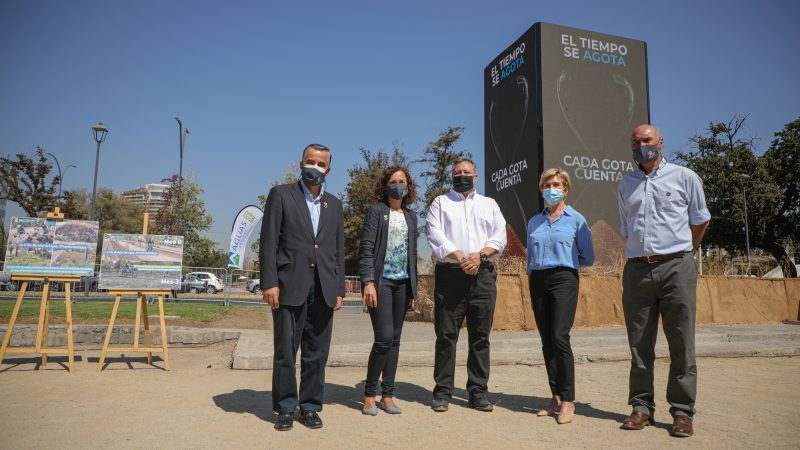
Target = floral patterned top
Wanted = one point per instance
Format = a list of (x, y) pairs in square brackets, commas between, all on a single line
[(395, 265)]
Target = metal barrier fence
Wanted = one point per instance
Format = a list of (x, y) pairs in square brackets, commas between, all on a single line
[(204, 284)]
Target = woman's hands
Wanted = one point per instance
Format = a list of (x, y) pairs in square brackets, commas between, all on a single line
[(370, 296)]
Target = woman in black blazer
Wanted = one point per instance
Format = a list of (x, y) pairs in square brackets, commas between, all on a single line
[(388, 266)]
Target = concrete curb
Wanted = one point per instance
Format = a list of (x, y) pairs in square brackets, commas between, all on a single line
[(25, 335), (254, 349)]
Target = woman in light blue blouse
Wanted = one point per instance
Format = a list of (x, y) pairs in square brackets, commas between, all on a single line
[(388, 268), (559, 242)]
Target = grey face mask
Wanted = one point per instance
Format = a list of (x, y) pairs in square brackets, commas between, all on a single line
[(645, 154), (313, 175), (397, 191)]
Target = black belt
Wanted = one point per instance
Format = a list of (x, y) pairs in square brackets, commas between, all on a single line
[(658, 258)]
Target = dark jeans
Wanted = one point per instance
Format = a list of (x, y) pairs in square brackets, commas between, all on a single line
[(458, 296), (667, 289), (554, 298), (387, 325), (307, 327)]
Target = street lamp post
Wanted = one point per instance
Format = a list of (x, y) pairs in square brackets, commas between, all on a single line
[(745, 178), (100, 133), (182, 132), (60, 173)]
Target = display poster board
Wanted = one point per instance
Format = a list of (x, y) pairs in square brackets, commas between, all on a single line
[(39, 246), (137, 261)]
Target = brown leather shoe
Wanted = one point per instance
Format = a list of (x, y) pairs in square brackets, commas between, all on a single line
[(682, 426), (637, 420)]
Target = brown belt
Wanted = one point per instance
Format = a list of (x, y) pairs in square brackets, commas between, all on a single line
[(657, 258)]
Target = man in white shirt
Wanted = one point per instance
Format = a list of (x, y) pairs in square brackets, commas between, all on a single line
[(467, 232)]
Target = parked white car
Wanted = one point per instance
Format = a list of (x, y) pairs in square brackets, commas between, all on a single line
[(214, 283), (254, 286)]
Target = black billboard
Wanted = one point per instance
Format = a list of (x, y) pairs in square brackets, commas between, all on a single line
[(512, 128), (585, 93)]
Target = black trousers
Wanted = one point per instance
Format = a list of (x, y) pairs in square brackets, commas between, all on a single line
[(458, 296), (307, 327), (554, 298), (387, 326)]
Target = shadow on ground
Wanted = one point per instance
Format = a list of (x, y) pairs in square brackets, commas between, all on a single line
[(259, 403), (36, 361), (127, 360)]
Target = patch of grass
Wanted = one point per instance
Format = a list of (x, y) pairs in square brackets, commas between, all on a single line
[(102, 310)]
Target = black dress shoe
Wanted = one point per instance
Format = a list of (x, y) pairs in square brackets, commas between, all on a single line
[(481, 403), (310, 419), (440, 404), (284, 422)]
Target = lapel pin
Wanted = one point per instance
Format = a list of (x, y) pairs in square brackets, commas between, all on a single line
[(324, 204), (385, 217)]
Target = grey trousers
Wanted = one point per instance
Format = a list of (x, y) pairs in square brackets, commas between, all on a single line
[(667, 289)]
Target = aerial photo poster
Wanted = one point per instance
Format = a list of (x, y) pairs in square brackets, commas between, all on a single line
[(136, 261)]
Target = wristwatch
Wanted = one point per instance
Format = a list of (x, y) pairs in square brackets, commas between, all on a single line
[(484, 257)]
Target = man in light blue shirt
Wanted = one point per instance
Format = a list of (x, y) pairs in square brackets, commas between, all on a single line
[(313, 204), (663, 216)]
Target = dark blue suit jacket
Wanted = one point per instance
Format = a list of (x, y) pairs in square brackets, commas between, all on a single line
[(290, 253)]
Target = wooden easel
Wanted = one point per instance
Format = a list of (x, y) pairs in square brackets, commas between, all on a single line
[(43, 328), (141, 311)]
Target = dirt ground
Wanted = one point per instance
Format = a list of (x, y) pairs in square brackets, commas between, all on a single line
[(200, 403)]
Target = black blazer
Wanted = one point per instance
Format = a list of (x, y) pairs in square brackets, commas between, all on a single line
[(289, 253), (372, 251)]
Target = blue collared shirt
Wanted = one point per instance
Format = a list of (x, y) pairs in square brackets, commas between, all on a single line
[(567, 242), (313, 204), (656, 210)]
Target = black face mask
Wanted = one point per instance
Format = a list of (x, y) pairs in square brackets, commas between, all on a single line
[(313, 175), (463, 183), (645, 154), (397, 191)]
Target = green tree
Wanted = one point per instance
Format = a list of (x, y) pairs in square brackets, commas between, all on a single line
[(439, 157), (782, 230), (726, 163), (193, 221), (114, 214), (24, 181), (289, 177), (359, 197)]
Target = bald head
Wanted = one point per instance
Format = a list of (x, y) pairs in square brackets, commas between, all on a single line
[(646, 135)]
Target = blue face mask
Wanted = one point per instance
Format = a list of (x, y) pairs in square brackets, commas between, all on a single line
[(553, 196)]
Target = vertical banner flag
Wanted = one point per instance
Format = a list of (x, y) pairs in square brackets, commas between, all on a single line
[(243, 226)]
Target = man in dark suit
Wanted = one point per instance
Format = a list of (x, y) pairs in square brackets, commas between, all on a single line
[(302, 275)]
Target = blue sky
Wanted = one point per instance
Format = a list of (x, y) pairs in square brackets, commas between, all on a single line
[(257, 81)]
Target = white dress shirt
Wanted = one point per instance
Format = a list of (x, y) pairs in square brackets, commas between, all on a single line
[(469, 224)]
